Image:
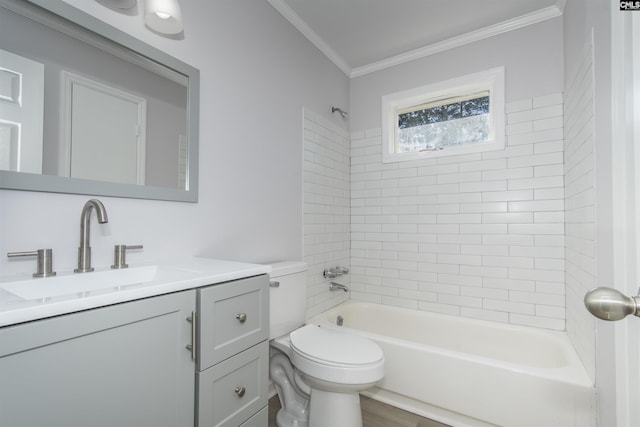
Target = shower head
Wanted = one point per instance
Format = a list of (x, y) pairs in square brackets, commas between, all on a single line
[(343, 113)]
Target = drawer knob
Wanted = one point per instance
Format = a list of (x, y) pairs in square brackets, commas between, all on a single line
[(240, 391), (242, 317)]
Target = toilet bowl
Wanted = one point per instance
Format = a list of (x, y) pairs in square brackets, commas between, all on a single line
[(317, 372)]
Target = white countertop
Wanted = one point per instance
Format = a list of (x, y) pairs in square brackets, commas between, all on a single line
[(165, 278)]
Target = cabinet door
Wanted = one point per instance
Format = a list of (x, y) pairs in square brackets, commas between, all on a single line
[(122, 365), (232, 391), (233, 316), (261, 419)]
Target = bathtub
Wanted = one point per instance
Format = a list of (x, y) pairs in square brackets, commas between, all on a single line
[(472, 373)]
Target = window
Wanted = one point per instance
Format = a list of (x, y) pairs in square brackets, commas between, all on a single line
[(462, 115)]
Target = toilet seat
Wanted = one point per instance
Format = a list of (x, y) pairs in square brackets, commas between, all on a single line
[(318, 373), (336, 356)]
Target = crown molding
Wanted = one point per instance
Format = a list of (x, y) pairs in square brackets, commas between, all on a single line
[(474, 36)]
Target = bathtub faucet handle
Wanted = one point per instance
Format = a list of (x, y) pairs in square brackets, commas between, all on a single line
[(341, 270), (329, 274), (334, 272)]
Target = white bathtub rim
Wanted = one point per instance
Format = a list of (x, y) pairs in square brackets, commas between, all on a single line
[(558, 336), (573, 373), (567, 374)]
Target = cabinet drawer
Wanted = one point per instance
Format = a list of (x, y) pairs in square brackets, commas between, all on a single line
[(261, 419), (232, 317), (233, 390)]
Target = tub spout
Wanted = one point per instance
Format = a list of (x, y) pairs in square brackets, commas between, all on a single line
[(337, 287)]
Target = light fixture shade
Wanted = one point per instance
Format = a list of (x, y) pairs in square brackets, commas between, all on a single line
[(163, 16)]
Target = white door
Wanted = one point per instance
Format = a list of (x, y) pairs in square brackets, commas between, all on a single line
[(626, 204), (105, 128), (21, 113)]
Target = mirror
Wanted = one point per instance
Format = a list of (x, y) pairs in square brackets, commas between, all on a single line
[(87, 109)]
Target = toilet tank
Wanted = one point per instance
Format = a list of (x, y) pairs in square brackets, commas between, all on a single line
[(287, 297)]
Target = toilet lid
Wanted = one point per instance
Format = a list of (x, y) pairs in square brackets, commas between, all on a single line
[(334, 347)]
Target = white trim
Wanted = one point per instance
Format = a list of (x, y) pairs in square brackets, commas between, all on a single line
[(492, 79), (625, 63), (464, 39), (68, 80), (474, 36), (15, 131)]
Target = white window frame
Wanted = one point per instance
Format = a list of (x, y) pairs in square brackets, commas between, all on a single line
[(491, 80)]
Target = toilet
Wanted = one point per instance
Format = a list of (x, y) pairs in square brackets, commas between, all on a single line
[(317, 372)]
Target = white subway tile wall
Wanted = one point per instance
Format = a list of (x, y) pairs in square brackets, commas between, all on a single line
[(580, 208), (476, 235), (479, 235), (327, 200)]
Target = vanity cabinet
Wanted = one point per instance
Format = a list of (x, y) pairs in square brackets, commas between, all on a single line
[(233, 355), (136, 364), (121, 365)]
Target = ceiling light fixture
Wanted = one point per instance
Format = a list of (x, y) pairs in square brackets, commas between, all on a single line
[(163, 16)]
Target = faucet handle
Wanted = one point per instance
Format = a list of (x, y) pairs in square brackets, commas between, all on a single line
[(119, 255), (45, 261), (341, 270), (334, 272)]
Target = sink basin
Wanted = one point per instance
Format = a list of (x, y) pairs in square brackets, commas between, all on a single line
[(25, 299), (38, 288)]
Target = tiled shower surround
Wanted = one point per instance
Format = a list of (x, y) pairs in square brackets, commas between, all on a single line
[(326, 209), (483, 235), (476, 235), (580, 207)]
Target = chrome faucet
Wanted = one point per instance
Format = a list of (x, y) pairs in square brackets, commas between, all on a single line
[(338, 287), (84, 251), (334, 272)]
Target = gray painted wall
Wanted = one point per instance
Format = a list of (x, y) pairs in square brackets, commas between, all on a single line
[(257, 74), (532, 57)]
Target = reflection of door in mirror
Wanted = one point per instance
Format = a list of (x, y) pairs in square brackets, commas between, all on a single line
[(103, 132), (21, 113)]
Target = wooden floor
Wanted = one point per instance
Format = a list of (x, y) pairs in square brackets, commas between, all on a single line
[(374, 414)]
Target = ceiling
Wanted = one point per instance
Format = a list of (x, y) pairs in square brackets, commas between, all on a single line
[(362, 36)]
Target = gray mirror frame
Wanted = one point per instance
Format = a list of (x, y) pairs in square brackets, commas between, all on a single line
[(57, 184)]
